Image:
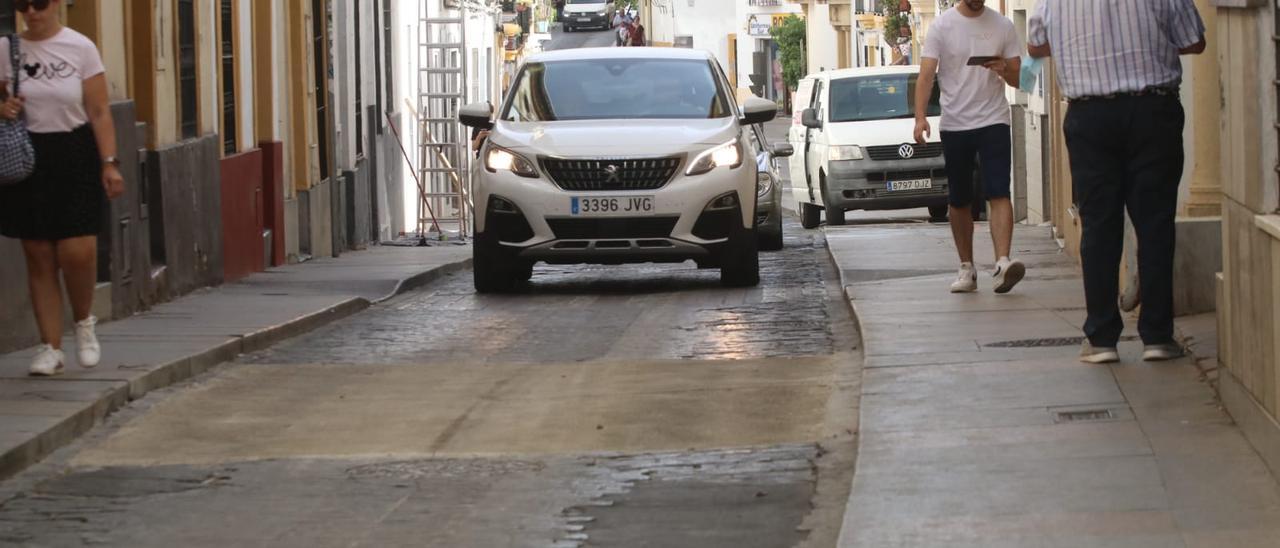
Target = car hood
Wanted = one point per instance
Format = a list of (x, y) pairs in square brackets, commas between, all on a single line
[(875, 132), (615, 137)]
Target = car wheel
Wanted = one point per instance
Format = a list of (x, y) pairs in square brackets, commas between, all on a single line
[(834, 214), (740, 266), (938, 214), (810, 215), (524, 272), (771, 237), (489, 272)]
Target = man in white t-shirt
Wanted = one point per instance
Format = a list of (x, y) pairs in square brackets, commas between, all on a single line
[(974, 52)]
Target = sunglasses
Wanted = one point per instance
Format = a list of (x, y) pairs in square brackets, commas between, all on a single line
[(39, 5)]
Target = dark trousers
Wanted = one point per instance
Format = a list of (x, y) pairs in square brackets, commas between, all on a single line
[(1126, 153)]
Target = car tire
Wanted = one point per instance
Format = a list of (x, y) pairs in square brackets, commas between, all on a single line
[(938, 214), (524, 272), (771, 237), (810, 215), (833, 214), (740, 265), (489, 273)]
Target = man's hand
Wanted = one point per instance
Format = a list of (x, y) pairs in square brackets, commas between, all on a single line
[(1005, 69), (923, 130), (997, 66)]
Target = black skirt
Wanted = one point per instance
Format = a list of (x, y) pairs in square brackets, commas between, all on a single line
[(63, 198)]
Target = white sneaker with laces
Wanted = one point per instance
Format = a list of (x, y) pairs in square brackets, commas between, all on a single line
[(87, 347), (47, 363), (1162, 352), (1008, 273), (1098, 354), (966, 279)]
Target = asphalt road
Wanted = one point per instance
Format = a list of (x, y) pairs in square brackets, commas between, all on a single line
[(628, 406)]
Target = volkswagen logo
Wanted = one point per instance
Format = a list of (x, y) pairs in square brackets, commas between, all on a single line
[(906, 151), (612, 174)]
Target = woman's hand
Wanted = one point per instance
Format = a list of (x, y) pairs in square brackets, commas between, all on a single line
[(112, 181), (11, 109)]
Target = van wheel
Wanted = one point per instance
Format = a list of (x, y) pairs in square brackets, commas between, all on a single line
[(834, 214), (771, 236), (938, 214), (740, 266), (810, 215)]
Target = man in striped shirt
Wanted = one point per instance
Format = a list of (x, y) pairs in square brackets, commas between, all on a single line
[(1118, 65)]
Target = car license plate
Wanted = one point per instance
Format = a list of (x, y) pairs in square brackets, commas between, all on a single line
[(581, 206), (584, 19), (913, 184)]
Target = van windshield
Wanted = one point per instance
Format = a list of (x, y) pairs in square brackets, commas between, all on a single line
[(608, 89), (881, 97)]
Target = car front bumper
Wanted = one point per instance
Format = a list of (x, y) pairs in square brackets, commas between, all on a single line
[(587, 19), (539, 224), (863, 184)]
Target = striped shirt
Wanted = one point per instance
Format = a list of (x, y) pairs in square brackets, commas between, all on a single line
[(1101, 47)]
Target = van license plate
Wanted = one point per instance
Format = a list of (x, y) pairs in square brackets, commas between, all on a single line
[(623, 206), (913, 184), (584, 19)]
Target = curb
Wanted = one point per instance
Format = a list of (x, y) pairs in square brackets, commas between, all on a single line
[(69, 429)]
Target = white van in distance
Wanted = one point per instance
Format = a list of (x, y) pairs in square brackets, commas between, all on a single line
[(854, 149)]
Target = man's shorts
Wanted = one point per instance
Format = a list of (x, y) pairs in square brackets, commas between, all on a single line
[(993, 146)]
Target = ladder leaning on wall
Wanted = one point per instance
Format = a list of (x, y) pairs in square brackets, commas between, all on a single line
[(443, 149)]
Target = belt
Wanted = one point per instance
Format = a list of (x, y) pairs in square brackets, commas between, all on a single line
[(1159, 91)]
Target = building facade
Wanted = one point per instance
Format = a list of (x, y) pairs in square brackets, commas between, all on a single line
[(251, 135)]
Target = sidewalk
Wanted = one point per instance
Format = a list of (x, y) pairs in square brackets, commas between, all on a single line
[(185, 337), (980, 428)]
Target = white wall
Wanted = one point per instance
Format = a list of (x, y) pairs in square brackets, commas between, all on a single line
[(822, 40)]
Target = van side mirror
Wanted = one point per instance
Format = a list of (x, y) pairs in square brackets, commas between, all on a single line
[(476, 115), (810, 119), (782, 150)]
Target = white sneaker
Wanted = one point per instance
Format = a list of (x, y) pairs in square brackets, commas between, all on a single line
[(87, 347), (1162, 352), (1008, 274), (47, 363), (1098, 354), (966, 279)]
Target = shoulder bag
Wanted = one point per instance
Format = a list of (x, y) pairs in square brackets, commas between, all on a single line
[(17, 156)]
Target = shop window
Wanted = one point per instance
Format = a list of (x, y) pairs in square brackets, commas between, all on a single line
[(227, 33), (7, 23), (359, 84), (187, 117)]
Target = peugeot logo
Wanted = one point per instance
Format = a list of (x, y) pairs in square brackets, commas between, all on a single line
[(611, 174), (906, 151)]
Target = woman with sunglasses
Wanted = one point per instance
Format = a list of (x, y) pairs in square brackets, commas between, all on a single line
[(57, 212)]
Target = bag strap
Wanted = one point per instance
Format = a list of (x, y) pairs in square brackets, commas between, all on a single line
[(14, 59)]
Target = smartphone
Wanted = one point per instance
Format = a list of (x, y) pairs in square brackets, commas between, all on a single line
[(978, 61)]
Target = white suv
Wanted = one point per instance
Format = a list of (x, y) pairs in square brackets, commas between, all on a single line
[(616, 155)]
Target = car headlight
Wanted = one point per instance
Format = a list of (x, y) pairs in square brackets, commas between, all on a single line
[(728, 154), (603, 12), (498, 158), (764, 184), (846, 153)]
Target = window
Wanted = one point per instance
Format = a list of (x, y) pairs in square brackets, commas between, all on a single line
[(387, 49), (187, 69), (7, 24), (319, 19), (377, 68), (359, 86), (227, 32), (602, 89), (884, 97)]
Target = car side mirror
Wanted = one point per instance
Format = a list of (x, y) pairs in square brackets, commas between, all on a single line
[(782, 150), (477, 115), (758, 111), (809, 118)]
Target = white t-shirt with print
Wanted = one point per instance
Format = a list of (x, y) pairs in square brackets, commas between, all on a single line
[(972, 97), (52, 78)]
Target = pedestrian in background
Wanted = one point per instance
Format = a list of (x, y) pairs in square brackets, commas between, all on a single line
[(623, 33), (637, 34), (560, 11), (1118, 65), (974, 52), (57, 211)]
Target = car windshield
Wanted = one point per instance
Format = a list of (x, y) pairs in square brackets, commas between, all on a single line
[(877, 98), (603, 89)]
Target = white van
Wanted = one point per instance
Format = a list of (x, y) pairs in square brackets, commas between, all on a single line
[(854, 145), (588, 13)]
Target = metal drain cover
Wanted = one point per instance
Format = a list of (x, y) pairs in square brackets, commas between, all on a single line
[(1085, 415)]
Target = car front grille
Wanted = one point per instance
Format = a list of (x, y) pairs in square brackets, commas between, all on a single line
[(613, 228), (605, 174), (891, 152), (881, 176)]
